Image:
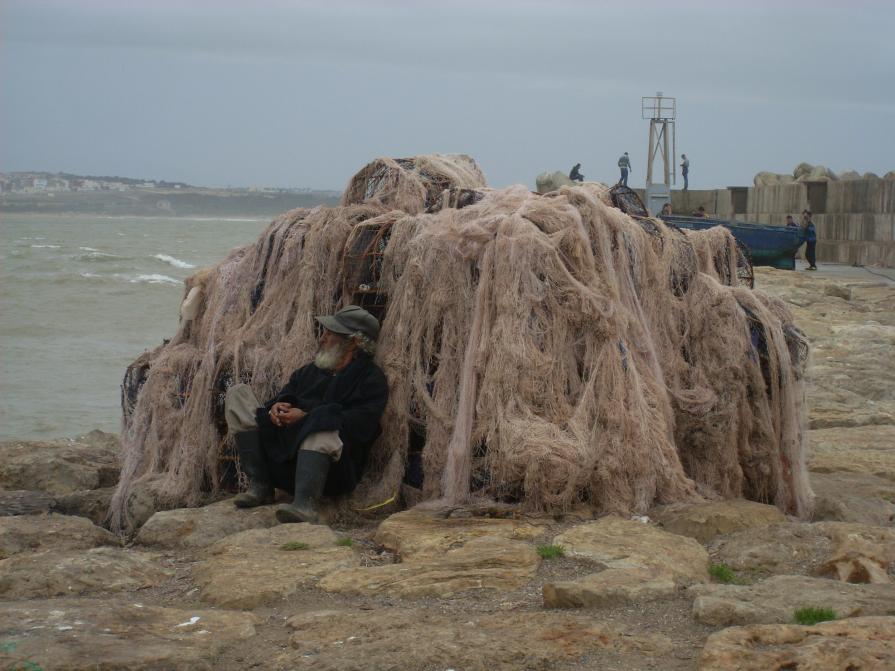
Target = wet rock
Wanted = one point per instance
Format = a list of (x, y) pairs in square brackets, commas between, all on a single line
[(798, 548), (865, 643), (200, 527), (398, 638), (50, 532), (25, 502), (613, 542), (258, 567), (78, 572), (418, 532), (854, 497), (80, 634), (484, 563), (611, 587), (704, 521), (776, 599), (60, 466)]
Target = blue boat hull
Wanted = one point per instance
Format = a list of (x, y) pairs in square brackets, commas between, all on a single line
[(768, 245)]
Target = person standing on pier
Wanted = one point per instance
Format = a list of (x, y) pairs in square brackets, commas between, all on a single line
[(685, 170), (624, 165), (810, 239)]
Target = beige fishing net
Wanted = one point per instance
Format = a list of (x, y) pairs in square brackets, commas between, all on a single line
[(540, 349)]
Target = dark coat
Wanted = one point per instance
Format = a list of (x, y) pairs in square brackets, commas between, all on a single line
[(351, 402)]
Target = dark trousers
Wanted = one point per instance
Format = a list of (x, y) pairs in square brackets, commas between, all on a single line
[(624, 177), (686, 182), (810, 254)]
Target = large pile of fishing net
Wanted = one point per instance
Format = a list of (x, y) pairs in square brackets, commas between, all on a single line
[(540, 349)]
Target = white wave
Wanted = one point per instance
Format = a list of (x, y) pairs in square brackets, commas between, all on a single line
[(154, 278), (91, 276), (89, 249), (177, 263), (46, 246)]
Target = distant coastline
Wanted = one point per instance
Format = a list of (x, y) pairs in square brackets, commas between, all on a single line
[(165, 202)]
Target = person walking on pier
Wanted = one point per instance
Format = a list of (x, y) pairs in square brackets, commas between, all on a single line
[(624, 165), (810, 239), (685, 170)]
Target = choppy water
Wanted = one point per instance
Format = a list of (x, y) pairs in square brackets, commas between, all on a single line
[(80, 298)]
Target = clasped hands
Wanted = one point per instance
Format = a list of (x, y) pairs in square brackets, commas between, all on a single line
[(283, 414)]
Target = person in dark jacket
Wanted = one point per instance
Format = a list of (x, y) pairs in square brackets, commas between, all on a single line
[(314, 436), (810, 234), (575, 175)]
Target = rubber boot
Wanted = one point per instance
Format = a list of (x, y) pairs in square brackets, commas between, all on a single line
[(254, 465), (311, 469)]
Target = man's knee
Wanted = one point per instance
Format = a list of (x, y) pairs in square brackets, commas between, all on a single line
[(325, 442), (240, 404)]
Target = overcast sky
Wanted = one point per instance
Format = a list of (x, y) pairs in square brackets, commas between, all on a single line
[(302, 94)]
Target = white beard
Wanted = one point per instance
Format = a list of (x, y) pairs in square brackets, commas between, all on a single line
[(328, 359)]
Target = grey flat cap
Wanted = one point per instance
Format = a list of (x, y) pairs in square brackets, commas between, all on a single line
[(351, 319)]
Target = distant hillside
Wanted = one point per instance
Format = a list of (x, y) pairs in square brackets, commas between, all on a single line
[(177, 202)]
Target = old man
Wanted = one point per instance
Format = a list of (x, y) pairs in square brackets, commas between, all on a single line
[(315, 435)]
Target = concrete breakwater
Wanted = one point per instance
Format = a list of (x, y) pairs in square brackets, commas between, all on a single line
[(855, 218)]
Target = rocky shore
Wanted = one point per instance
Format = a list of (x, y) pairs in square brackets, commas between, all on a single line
[(710, 586)]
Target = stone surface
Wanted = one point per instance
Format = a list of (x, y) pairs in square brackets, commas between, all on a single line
[(851, 372), (432, 532), (611, 587), (856, 644), (398, 638), (90, 503), (799, 548), (774, 600), (102, 635), (78, 572), (860, 553), (864, 449), (60, 466), (200, 527), (30, 533), (613, 542), (854, 497), (25, 502), (484, 563), (251, 568), (704, 521)]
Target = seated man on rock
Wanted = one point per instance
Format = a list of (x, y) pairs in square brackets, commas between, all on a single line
[(316, 434)]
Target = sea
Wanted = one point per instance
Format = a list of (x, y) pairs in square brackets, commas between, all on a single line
[(83, 296)]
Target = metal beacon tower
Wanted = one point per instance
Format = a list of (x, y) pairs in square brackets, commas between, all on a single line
[(661, 112)]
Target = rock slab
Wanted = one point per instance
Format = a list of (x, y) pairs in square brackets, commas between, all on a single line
[(60, 466), (483, 563), (849, 552), (399, 638), (78, 572), (200, 527), (613, 542), (704, 521), (865, 643), (419, 532), (254, 567), (30, 533), (611, 587), (774, 601), (89, 634)]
